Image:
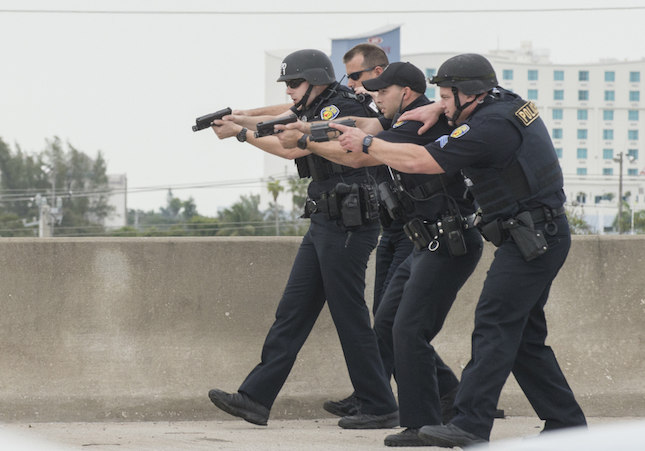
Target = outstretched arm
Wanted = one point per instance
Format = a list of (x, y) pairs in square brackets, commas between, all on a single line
[(270, 144), (330, 150), (409, 158)]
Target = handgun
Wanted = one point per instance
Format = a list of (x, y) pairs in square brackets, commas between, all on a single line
[(320, 131), (266, 128), (206, 121)]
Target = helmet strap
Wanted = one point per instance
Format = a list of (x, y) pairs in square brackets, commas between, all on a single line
[(458, 106), (305, 98)]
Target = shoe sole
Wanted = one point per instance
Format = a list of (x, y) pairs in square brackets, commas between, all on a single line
[(251, 417), (385, 423), (445, 442), (404, 443)]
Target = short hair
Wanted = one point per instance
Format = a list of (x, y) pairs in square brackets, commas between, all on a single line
[(373, 55)]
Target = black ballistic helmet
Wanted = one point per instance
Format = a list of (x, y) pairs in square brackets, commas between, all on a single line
[(310, 64), (470, 73)]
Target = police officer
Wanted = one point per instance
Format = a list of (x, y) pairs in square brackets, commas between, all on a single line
[(503, 148), (330, 264), (364, 62)]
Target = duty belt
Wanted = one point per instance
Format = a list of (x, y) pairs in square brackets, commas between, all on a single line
[(436, 229), (327, 204), (546, 214)]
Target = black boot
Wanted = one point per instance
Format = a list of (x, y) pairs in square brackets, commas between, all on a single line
[(343, 408), (240, 405)]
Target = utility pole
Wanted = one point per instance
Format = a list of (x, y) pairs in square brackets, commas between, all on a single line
[(619, 160)]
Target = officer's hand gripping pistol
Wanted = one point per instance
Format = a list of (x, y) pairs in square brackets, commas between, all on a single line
[(206, 121)]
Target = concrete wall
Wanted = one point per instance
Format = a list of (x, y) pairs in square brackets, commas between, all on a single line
[(100, 329)]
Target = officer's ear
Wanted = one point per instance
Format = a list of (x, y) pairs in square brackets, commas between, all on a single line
[(378, 70)]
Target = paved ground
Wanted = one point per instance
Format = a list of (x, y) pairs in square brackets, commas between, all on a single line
[(310, 435)]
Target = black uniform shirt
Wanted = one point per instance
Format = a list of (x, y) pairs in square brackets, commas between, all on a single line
[(329, 105), (483, 141), (407, 132)]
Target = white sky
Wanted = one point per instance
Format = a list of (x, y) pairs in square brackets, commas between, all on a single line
[(131, 85)]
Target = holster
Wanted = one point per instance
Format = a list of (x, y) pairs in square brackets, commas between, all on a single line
[(354, 205), (529, 241)]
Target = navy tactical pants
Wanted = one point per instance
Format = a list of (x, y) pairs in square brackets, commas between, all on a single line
[(411, 314), (393, 248), (510, 330), (328, 267)]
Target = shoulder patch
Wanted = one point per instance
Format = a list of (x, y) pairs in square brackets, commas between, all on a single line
[(398, 124), (329, 112), (460, 131), (442, 140), (527, 113)]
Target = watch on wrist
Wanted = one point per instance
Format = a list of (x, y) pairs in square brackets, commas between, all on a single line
[(302, 142), (241, 136), (367, 142)]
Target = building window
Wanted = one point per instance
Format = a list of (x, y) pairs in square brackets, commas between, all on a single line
[(632, 135), (610, 76), (558, 94), (633, 153), (507, 74), (557, 114), (634, 96), (581, 171), (583, 95), (583, 115), (431, 72), (607, 154), (634, 77), (582, 133), (610, 96), (632, 115), (632, 171), (608, 134), (558, 152), (533, 74), (532, 94), (430, 92), (583, 75), (558, 75), (557, 133), (581, 153), (608, 115), (607, 171)]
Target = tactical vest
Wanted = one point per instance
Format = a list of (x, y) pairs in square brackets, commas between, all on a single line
[(533, 173), (314, 166)]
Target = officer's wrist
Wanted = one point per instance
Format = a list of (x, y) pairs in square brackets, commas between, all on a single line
[(303, 141), (241, 135)]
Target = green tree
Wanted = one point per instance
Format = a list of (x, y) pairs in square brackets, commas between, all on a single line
[(242, 218), (59, 171), (274, 213), (577, 223)]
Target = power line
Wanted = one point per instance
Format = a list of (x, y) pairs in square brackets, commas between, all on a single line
[(16, 195), (322, 12)]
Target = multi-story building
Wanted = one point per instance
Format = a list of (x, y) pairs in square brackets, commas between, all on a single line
[(595, 115), (594, 112)]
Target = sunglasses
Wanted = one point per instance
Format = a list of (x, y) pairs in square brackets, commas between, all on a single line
[(356, 75), (293, 84)]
